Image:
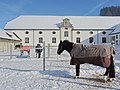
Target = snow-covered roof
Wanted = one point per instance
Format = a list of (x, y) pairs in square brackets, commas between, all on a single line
[(51, 22), (7, 35), (116, 29)]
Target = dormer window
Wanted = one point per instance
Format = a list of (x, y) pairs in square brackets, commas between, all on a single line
[(66, 23)]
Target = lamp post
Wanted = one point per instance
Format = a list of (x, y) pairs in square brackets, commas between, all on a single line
[(97, 37), (33, 38)]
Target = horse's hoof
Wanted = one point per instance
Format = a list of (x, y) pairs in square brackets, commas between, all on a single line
[(76, 77), (105, 78), (110, 79)]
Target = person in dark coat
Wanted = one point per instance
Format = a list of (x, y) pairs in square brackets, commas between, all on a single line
[(38, 50)]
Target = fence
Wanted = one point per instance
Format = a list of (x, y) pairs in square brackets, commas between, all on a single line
[(9, 52), (49, 53)]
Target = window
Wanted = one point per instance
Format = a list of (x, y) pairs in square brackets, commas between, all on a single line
[(66, 28), (27, 32), (40, 32), (91, 40), (26, 40), (53, 40), (65, 33), (54, 32), (40, 40), (78, 32), (116, 42), (103, 39), (116, 36), (113, 38), (78, 40), (103, 32), (91, 32)]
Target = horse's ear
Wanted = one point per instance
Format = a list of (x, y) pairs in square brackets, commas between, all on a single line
[(60, 41)]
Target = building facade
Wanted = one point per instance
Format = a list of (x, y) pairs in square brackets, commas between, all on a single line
[(51, 29), (7, 41)]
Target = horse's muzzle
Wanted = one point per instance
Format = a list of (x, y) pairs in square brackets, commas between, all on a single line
[(58, 53)]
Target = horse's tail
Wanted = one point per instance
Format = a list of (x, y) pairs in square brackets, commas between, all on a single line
[(112, 50)]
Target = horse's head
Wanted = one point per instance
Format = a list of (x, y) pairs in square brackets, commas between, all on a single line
[(64, 45), (60, 48)]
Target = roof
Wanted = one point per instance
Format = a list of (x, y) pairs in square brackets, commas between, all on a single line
[(51, 22), (8, 35), (116, 29)]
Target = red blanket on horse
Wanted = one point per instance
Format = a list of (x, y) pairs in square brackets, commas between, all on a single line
[(25, 48)]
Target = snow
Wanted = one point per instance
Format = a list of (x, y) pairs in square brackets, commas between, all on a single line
[(116, 29), (28, 74), (4, 35), (50, 22)]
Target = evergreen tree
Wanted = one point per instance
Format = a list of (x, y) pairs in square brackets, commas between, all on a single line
[(110, 11)]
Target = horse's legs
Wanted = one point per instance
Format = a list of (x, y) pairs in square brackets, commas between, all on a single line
[(112, 68), (21, 53), (38, 55), (28, 52), (106, 72), (110, 71), (77, 70)]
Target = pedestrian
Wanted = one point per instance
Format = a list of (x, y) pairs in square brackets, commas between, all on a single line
[(38, 50)]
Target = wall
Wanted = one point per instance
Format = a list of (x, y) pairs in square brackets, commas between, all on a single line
[(5, 45), (85, 35), (59, 35)]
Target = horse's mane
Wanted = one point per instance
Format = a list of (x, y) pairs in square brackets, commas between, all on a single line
[(67, 41)]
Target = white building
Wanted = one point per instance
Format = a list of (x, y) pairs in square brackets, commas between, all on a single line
[(52, 29), (8, 40), (115, 35)]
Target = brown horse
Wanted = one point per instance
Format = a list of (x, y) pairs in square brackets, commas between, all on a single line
[(95, 54)]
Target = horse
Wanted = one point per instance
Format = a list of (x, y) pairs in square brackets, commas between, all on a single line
[(106, 61), (25, 49), (18, 46)]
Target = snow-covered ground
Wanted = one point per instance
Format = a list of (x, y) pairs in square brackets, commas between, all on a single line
[(28, 74)]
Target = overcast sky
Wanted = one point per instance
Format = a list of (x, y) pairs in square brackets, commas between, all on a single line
[(10, 9)]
